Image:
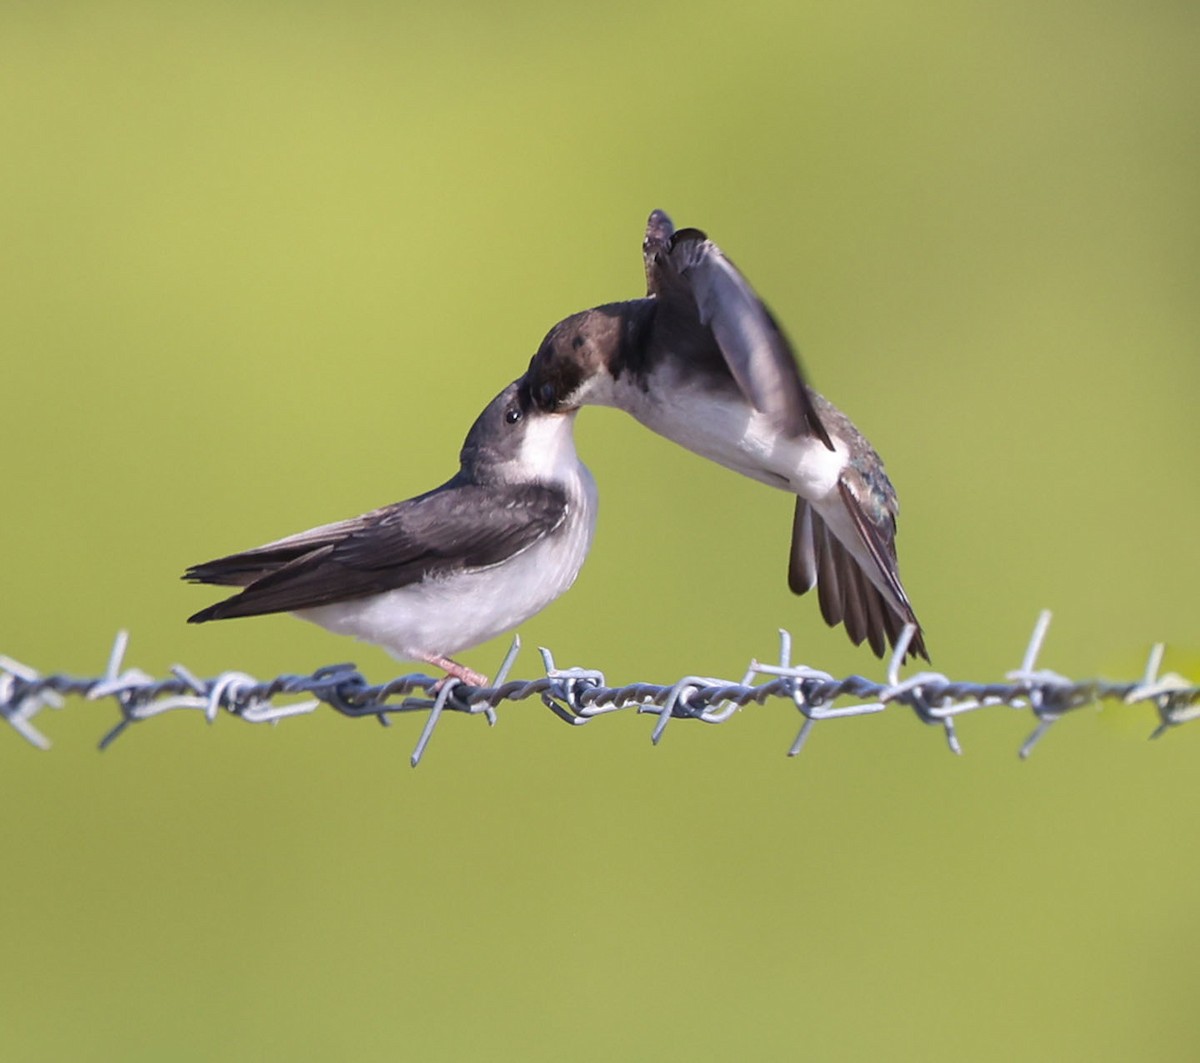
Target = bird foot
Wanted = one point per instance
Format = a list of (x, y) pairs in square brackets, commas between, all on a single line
[(454, 670)]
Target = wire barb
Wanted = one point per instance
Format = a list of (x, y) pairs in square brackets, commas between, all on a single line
[(578, 695)]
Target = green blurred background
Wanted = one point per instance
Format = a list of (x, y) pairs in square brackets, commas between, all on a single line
[(262, 265)]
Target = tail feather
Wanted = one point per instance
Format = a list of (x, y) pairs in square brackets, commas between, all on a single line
[(846, 590)]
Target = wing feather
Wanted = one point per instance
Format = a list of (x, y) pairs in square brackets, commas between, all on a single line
[(457, 527), (692, 277)]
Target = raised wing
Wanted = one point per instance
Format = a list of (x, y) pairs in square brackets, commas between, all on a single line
[(690, 276)]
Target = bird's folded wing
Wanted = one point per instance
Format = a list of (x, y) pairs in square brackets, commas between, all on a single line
[(455, 528)]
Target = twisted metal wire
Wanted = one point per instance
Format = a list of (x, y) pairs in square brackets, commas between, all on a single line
[(578, 695)]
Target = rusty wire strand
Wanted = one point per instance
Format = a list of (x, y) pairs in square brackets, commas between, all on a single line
[(578, 695)]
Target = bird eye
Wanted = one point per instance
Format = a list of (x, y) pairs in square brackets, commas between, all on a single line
[(546, 395), (513, 414)]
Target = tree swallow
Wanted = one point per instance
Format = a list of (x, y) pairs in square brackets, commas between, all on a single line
[(701, 361), (446, 570)]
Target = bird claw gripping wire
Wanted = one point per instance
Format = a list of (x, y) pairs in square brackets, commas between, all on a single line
[(458, 696)]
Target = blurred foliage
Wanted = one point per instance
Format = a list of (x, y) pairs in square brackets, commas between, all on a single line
[(263, 264)]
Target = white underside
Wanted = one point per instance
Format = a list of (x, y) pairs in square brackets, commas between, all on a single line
[(732, 433), (440, 616), (727, 430)]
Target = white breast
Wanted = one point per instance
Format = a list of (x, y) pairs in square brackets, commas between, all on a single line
[(723, 427), (451, 613)]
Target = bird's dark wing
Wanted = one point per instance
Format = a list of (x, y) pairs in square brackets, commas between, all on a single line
[(845, 592), (692, 278), (457, 527)]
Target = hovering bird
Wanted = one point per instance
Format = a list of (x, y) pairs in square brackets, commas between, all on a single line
[(701, 361), (446, 570)]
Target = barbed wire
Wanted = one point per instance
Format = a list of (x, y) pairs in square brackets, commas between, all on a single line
[(578, 695)]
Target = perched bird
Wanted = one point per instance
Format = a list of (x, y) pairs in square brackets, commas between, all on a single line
[(448, 569), (701, 361)]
